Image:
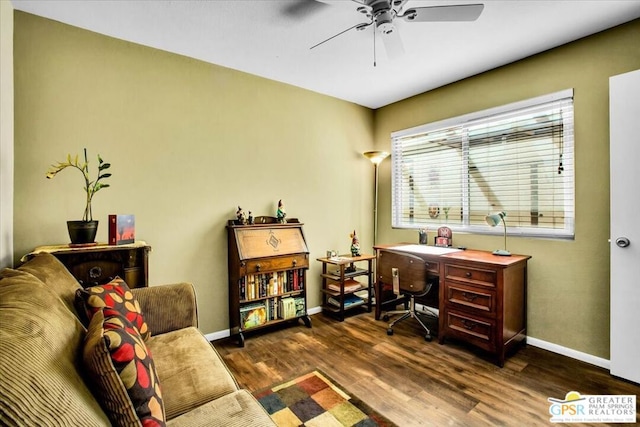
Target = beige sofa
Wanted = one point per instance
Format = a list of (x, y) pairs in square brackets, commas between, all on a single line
[(42, 377)]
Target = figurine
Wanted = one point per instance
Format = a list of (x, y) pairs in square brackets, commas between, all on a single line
[(242, 220), (280, 213), (355, 244), (250, 219)]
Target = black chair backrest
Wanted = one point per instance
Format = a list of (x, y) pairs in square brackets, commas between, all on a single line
[(412, 271)]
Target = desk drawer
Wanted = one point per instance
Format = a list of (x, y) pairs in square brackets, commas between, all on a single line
[(472, 275), (479, 331), (482, 300), (274, 264), (433, 267)]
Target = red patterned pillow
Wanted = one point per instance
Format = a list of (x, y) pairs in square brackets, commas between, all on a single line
[(122, 371), (117, 295)]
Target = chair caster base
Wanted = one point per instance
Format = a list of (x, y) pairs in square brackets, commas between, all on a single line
[(389, 331)]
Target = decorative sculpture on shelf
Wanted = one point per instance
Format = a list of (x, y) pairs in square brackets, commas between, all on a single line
[(355, 244), (241, 218), (280, 213), (250, 218)]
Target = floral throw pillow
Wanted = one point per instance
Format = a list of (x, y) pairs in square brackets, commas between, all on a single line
[(122, 371), (116, 295)]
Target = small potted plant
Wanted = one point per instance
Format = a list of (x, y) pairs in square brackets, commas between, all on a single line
[(84, 231)]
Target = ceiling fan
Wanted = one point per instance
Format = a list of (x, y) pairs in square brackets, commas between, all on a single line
[(381, 15)]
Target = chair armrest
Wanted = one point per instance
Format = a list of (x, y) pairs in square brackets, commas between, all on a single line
[(168, 308)]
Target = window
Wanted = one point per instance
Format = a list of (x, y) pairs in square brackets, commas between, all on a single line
[(516, 158)]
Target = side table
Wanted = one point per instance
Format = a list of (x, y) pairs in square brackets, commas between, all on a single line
[(339, 285), (99, 264)]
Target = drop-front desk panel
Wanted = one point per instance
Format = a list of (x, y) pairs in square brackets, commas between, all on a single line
[(481, 297)]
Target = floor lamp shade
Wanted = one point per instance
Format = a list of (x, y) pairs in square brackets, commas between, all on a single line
[(376, 157), (493, 220)]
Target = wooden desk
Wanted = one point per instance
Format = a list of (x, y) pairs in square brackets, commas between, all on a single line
[(482, 298)]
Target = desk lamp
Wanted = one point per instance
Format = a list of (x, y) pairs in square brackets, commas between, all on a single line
[(376, 158), (494, 220)]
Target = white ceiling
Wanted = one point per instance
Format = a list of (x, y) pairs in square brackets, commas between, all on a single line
[(258, 37)]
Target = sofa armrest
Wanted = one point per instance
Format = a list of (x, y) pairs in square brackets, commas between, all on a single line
[(168, 307)]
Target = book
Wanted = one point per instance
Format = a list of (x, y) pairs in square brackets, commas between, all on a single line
[(346, 272), (350, 285), (349, 301), (253, 315), (301, 304), (287, 308), (364, 294), (122, 229)]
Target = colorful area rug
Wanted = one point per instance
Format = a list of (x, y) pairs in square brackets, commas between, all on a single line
[(314, 399)]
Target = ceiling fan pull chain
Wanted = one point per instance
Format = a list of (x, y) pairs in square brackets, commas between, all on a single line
[(374, 45)]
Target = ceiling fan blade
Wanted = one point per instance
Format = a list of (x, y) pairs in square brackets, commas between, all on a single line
[(463, 12), (357, 26), (302, 8), (392, 42)]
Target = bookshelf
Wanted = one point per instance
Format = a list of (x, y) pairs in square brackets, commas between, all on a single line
[(267, 262), (340, 289)]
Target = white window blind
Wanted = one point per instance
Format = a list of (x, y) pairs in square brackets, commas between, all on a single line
[(516, 158)]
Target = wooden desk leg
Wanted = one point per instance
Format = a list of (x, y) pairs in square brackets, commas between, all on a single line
[(369, 286), (378, 296)]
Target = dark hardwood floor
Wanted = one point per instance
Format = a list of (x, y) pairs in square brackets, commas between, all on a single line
[(414, 382)]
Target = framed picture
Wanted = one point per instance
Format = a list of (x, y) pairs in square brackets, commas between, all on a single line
[(122, 229)]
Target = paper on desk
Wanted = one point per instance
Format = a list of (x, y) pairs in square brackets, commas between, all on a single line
[(423, 249)]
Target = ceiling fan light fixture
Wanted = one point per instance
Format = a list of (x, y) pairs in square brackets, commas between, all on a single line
[(386, 28), (410, 15)]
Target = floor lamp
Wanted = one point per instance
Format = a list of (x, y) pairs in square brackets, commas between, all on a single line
[(376, 158)]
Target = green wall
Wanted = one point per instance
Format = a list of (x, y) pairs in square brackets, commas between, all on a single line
[(188, 142), (568, 293), (6, 134)]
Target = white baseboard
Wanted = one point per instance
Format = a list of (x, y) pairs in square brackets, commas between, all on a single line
[(314, 310), (569, 352), (214, 336)]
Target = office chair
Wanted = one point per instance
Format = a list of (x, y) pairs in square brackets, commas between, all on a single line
[(410, 272)]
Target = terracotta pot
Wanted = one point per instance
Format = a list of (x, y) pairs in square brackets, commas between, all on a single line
[(82, 232)]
